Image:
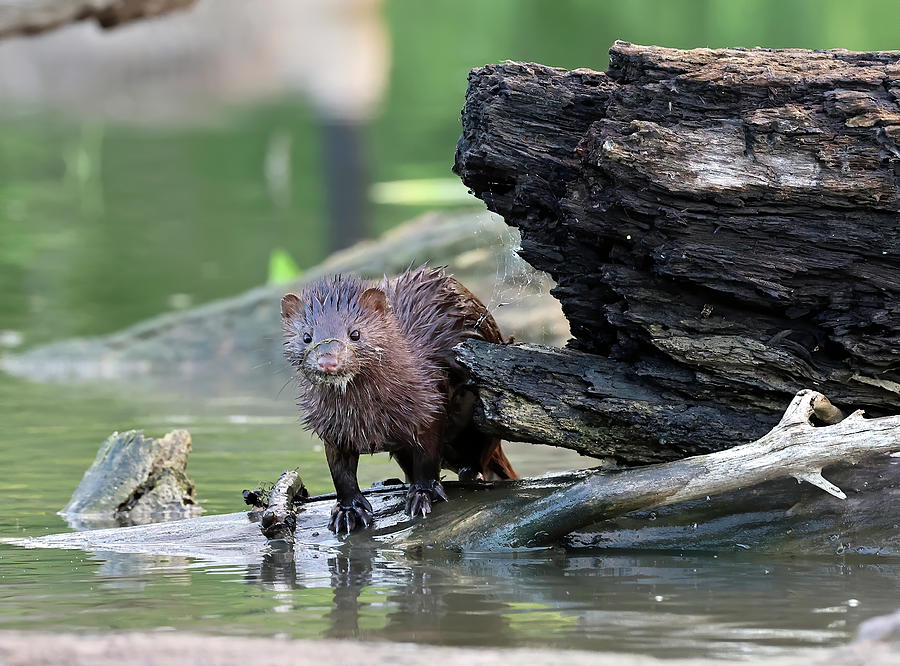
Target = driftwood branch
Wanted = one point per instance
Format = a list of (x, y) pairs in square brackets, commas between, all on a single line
[(793, 448), (18, 17), (276, 509)]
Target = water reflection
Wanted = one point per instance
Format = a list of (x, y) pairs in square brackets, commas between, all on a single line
[(349, 577), (133, 570), (668, 605)]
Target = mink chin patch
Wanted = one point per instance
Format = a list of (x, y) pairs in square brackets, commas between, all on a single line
[(339, 381)]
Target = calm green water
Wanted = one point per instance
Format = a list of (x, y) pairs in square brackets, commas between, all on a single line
[(105, 224), (668, 604)]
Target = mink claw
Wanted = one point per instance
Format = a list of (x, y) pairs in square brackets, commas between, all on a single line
[(419, 499), (347, 518), (470, 474), (438, 491)]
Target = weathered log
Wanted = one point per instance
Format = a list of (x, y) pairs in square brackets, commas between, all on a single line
[(778, 516), (722, 224), (794, 448), (591, 404), (34, 16)]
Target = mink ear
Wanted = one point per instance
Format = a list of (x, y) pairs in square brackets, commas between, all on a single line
[(374, 299), (290, 305)]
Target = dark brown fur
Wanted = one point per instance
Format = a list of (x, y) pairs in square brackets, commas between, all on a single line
[(395, 388)]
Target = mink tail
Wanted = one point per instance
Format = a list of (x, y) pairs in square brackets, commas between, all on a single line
[(498, 464)]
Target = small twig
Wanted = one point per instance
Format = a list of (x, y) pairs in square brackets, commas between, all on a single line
[(279, 519)]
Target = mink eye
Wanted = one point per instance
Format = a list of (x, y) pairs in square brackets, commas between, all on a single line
[(354, 335), (307, 338)]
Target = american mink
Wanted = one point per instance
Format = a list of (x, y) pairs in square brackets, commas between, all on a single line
[(375, 369)]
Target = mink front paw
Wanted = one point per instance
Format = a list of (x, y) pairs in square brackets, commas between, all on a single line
[(348, 517), (420, 497)]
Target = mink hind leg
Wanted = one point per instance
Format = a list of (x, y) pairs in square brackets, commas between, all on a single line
[(422, 466), (352, 510), (478, 457), (474, 455)]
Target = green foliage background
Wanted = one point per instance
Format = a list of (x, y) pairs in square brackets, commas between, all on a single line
[(101, 226)]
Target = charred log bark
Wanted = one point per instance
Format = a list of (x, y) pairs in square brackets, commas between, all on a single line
[(722, 224), (592, 405)]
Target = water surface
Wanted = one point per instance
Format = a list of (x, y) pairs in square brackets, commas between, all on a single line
[(667, 604)]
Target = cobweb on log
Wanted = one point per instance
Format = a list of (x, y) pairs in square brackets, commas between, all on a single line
[(515, 281)]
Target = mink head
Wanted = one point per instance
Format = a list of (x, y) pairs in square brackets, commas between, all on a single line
[(336, 329)]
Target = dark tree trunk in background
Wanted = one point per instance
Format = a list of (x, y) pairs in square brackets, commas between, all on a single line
[(346, 181), (722, 225)]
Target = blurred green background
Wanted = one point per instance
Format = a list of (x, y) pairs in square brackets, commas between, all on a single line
[(108, 218)]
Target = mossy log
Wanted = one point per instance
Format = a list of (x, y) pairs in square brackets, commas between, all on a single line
[(722, 226)]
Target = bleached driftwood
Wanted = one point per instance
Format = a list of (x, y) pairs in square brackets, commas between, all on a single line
[(540, 512), (793, 448)]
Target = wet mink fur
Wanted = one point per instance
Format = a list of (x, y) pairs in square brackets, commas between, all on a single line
[(375, 369)]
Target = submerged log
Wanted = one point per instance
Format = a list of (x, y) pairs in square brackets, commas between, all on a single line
[(722, 226), (712, 504), (231, 346)]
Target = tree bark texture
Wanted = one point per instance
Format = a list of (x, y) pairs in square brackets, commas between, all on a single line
[(593, 405), (722, 225)]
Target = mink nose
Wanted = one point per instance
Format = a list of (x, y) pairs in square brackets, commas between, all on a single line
[(328, 364)]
